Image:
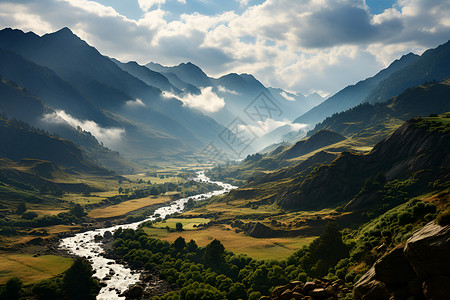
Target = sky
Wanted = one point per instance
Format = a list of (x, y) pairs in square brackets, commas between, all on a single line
[(301, 46)]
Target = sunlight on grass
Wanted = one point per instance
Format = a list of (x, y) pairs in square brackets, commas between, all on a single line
[(31, 269)]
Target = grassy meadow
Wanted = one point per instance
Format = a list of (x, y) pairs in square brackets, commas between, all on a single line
[(31, 269)]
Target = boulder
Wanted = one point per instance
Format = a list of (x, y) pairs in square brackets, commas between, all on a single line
[(318, 293), (437, 288), (309, 286), (369, 288), (286, 295), (393, 268), (135, 292), (428, 251)]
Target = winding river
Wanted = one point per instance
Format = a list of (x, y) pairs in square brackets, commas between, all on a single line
[(84, 245)]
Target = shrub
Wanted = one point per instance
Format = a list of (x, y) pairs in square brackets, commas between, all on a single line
[(29, 215), (443, 218)]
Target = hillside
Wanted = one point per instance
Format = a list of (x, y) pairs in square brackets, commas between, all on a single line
[(354, 94), (68, 74), (20, 141), (318, 140), (373, 122), (415, 150), (433, 65)]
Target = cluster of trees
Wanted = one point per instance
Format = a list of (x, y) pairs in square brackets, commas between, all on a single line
[(76, 283), (390, 229), (220, 274), (189, 188), (31, 219)]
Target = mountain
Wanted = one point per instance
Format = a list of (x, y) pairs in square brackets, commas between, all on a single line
[(187, 72), (148, 76), (20, 141), (318, 140), (354, 94), (152, 126), (419, 145), (433, 65), (46, 84), (373, 122)]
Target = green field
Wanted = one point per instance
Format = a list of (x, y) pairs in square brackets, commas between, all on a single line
[(31, 269), (127, 206), (188, 224), (257, 248)]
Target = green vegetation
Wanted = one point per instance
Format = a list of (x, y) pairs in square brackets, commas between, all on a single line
[(220, 273), (75, 283), (31, 269)]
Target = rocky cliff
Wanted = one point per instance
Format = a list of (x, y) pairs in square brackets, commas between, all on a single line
[(420, 269)]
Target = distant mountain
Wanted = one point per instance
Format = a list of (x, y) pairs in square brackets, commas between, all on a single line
[(148, 76), (373, 122), (354, 94), (318, 140), (22, 105), (188, 72), (433, 65), (20, 141), (46, 84), (153, 126)]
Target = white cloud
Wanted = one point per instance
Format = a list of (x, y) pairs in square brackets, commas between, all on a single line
[(207, 101), (146, 5), (261, 128), (109, 136), (286, 96), (135, 103), (310, 45), (223, 89)]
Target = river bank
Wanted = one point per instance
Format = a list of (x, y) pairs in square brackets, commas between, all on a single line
[(115, 277)]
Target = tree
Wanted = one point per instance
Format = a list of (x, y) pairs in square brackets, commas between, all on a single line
[(214, 254), (78, 211), (21, 208), (179, 226), (78, 282), (154, 191), (46, 290), (29, 215), (191, 246), (179, 244), (120, 190), (12, 289)]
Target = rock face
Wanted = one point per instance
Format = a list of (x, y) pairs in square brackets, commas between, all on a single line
[(317, 289), (419, 269)]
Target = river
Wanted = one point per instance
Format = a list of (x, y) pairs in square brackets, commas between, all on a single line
[(84, 244)]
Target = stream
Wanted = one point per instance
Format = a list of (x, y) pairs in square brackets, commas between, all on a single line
[(84, 244)]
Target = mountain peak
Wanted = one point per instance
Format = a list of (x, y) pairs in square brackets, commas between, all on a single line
[(64, 35)]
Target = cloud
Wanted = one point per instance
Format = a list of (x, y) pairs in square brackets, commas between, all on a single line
[(146, 5), (109, 136), (223, 89), (135, 103), (307, 46), (261, 128), (207, 101), (286, 96)]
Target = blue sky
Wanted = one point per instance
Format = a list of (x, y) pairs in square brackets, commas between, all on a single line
[(299, 45)]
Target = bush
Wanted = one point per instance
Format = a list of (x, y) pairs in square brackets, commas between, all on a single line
[(443, 218), (78, 282), (29, 215), (12, 289), (47, 290)]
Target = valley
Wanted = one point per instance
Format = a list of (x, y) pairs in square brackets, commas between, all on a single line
[(125, 180)]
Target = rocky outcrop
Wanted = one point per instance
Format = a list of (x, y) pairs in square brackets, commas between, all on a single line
[(317, 289), (418, 269)]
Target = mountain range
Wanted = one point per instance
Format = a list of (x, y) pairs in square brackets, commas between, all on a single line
[(408, 71)]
